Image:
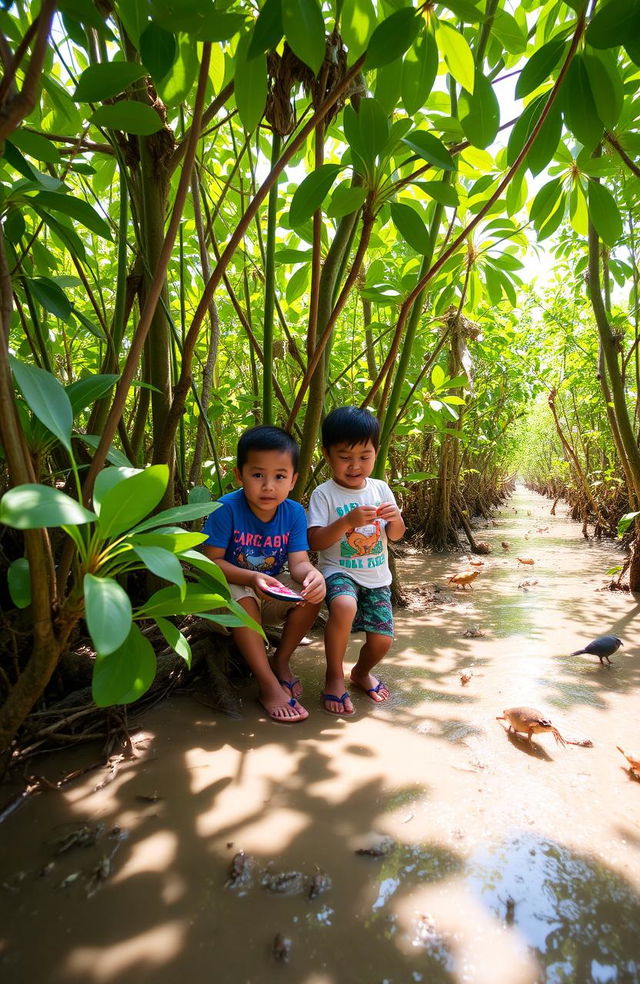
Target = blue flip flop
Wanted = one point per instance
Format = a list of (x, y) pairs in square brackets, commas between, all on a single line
[(339, 700), (290, 684)]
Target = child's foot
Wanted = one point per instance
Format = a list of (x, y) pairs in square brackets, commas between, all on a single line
[(375, 689), (283, 711), (335, 698), (287, 680)]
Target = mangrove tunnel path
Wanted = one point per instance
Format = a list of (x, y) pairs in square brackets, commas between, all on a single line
[(488, 859)]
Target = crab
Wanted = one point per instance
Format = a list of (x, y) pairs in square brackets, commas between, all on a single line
[(633, 758), (527, 720), (526, 560), (464, 578)]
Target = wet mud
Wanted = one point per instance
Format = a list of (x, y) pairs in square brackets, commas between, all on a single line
[(415, 841)]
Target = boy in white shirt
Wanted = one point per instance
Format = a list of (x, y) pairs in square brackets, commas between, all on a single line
[(350, 519)]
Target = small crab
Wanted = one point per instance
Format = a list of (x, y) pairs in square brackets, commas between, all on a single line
[(465, 577), (526, 560), (527, 720), (633, 758), (465, 677)]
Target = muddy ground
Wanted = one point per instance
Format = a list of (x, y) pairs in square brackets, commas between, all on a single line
[(491, 860)]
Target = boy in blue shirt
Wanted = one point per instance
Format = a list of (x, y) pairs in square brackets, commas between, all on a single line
[(251, 535)]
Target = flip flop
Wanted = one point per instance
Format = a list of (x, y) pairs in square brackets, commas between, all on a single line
[(338, 700), (283, 720), (374, 690), (290, 684)]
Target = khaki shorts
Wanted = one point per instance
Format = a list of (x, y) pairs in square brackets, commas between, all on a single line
[(272, 611)]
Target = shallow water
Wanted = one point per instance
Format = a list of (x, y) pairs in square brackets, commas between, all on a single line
[(496, 861)]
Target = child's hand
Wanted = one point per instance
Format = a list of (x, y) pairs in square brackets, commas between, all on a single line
[(313, 587), (389, 512), (362, 516), (263, 581)]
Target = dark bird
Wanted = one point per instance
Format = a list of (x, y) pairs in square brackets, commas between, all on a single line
[(603, 647)]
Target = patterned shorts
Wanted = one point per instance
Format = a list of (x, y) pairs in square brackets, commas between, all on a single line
[(373, 613)]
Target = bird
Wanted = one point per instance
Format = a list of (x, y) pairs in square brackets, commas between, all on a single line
[(602, 647), (529, 721), (466, 577)]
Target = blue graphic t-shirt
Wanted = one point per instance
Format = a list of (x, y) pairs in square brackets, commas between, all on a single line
[(251, 543)]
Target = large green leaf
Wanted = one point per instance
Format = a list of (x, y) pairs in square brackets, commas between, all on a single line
[(346, 199), (310, 195), (357, 24), (250, 81), (392, 37), (179, 514), (606, 85), (209, 569), (77, 208), (171, 601), (107, 613), (129, 116), (479, 113), (430, 149), (175, 88), (46, 398), (114, 456), (220, 25), (19, 582), (51, 296), (126, 503), (126, 674), (580, 113), (106, 480), (614, 23), (29, 507), (539, 66), (604, 213), (161, 562), (99, 82), (411, 227), (303, 26), (36, 145), (84, 392), (546, 140), (440, 191), (267, 29), (175, 639), (506, 28), (457, 55), (419, 70), (158, 50), (175, 540)]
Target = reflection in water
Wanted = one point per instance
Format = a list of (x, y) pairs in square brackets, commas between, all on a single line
[(579, 916)]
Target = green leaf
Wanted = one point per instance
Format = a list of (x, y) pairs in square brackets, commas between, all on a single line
[(440, 191), (419, 70), (357, 23), (393, 37), (199, 493), (129, 116), (580, 113), (604, 213), (175, 639), (540, 66), (36, 146), (626, 522), (554, 220), (163, 563), (84, 392), (430, 149), (46, 398), (606, 85), (99, 82), (297, 284), (179, 514), (30, 507), (19, 582), (76, 208), (310, 195), (65, 233), (170, 601), (107, 479), (438, 376), (267, 29), (374, 129), (290, 256), (303, 25), (158, 50), (457, 54), (177, 542), (346, 199), (546, 140), (114, 456), (125, 674), (509, 33), (250, 85), (614, 23), (51, 296), (411, 227), (220, 25), (128, 501), (107, 613), (175, 88), (465, 11), (479, 113), (545, 201), (212, 572)]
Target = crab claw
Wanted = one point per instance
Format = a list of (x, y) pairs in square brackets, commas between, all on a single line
[(558, 737)]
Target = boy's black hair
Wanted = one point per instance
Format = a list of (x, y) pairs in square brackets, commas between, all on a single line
[(265, 438), (350, 425)]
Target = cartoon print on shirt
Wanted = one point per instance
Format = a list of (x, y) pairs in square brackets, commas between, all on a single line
[(256, 561), (362, 541)]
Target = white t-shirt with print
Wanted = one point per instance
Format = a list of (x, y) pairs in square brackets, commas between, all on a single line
[(361, 552)]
